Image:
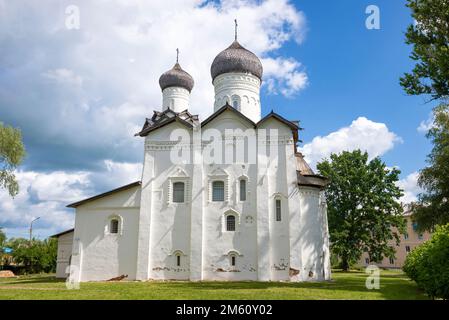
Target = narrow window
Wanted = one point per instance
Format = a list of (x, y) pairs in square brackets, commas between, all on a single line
[(178, 260), (178, 192), (230, 223), (407, 249), (235, 104), (218, 191), (278, 210), (242, 190), (420, 236), (233, 261), (114, 226), (391, 261), (367, 260), (406, 236)]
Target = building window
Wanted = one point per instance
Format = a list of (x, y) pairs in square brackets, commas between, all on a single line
[(367, 260), (178, 192), (218, 191), (236, 102), (278, 210), (233, 260), (114, 226), (405, 236), (242, 190), (230, 223), (178, 260), (414, 226), (391, 261), (420, 236), (407, 249)]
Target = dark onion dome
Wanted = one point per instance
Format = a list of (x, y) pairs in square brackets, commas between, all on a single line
[(176, 77), (236, 59)]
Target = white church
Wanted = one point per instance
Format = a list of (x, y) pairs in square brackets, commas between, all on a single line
[(259, 215)]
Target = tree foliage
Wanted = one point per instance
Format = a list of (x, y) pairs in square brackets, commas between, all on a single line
[(362, 206), (433, 206), (430, 39), (12, 152), (427, 264), (35, 256)]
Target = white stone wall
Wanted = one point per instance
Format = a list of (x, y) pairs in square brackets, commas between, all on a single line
[(154, 230), (240, 88), (65, 243), (97, 254), (175, 98)]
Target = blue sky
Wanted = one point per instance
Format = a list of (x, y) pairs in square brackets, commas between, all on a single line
[(79, 94)]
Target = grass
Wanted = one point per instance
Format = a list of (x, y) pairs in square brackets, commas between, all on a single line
[(345, 285)]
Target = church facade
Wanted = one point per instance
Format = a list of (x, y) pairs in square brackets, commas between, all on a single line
[(228, 198)]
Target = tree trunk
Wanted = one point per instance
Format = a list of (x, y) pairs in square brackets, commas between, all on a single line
[(344, 264)]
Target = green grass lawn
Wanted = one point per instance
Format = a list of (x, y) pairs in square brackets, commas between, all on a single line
[(345, 285)]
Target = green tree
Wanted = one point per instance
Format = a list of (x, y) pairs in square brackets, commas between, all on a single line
[(2, 243), (430, 39), (12, 152), (37, 256), (427, 264), (363, 206), (432, 207)]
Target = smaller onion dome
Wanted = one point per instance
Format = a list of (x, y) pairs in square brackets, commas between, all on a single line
[(176, 77)]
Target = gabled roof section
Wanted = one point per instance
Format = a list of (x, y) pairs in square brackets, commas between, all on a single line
[(126, 187), (294, 125), (62, 233), (160, 119), (227, 107)]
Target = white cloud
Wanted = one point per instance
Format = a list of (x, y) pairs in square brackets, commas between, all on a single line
[(426, 125), (410, 187), (108, 70), (364, 134), (46, 195), (64, 76), (284, 75)]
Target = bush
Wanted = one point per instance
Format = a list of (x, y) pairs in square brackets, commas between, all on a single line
[(428, 264)]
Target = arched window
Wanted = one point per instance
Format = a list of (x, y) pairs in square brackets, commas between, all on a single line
[(233, 258), (178, 259), (242, 190), (278, 210), (113, 226), (218, 191), (178, 192), (230, 223), (236, 102)]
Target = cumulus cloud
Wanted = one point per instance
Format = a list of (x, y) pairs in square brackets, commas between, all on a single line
[(46, 195), (364, 134), (410, 187), (88, 90), (426, 125)]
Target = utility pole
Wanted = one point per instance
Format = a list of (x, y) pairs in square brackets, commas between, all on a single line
[(31, 228)]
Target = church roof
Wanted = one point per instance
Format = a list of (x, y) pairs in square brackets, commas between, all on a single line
[(227, 107), (294, 125), (176, 77), (236, 58), (305, 175), (160, 119), (128, 186)]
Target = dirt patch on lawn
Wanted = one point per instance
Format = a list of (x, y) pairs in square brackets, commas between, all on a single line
[(7, 274)]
